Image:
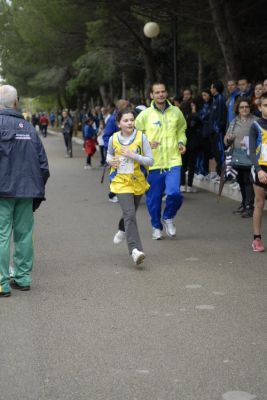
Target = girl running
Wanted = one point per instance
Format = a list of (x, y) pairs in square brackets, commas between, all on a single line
[(129, 154)]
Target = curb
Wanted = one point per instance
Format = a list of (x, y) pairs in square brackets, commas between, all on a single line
[(233, 194)]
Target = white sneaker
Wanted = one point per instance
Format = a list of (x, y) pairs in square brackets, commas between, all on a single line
[(216, 179), (200, 177), (211, 176), (170, 228), (138, 256), (182, 189), (234, 186), (191, 189), (156, 233), (119, 237), (113, 199)]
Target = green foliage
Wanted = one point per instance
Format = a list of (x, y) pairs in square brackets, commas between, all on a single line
[(67, 49), (38, 104)]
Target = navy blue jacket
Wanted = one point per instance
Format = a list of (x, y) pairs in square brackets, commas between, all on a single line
[(204, 114), (23, 161), (218, 115), (88, 132), (110, 128)]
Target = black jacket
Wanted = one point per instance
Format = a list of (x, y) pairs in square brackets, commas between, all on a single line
[(193, 132)]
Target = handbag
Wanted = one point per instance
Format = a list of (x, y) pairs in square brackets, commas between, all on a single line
[(240, 159)]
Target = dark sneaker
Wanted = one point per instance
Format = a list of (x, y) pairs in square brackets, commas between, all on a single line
[(240, 210), (247, 213), (15, 285), (5, 294), (257, 245)]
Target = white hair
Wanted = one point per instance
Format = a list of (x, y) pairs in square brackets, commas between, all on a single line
[(8, 96)]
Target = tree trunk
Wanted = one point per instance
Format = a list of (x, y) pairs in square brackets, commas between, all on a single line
[(226, 31), (104, 95), (59, 101), (200, 73), (111, 95), (150, 71), (123, 86), (145, 46)]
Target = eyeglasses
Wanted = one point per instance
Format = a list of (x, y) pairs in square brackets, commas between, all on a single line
[(240, 108)]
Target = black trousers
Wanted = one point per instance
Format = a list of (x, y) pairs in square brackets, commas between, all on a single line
[(246, 188), (217, 150), (68, 142), (189, 163), (44, 130), (204, 156), (102, 155)]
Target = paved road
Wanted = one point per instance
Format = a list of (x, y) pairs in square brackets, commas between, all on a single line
[(191, 325)]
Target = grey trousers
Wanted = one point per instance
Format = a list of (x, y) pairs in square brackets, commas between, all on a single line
[(129, 204)]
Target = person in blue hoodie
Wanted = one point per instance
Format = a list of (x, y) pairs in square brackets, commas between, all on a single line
[(23, 174), (202, 167), (217, 124)]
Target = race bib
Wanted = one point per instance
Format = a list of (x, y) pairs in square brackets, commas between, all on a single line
[(126, 166), (264, 152)]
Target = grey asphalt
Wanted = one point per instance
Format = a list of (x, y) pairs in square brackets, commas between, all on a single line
[(190, 325)]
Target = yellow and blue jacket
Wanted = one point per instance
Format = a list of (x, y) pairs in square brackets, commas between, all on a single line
[(168, 128)]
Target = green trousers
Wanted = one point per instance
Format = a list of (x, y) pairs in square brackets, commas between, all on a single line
[(16, 214)]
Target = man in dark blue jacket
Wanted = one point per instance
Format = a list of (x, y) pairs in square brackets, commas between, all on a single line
[(23, 174), (230, 103)]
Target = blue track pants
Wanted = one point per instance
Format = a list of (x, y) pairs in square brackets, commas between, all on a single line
[(168, 182)]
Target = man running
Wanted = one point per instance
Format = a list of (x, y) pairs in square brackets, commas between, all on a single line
[(165, 127)]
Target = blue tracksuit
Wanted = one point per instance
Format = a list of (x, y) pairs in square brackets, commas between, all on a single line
[(163, 181)]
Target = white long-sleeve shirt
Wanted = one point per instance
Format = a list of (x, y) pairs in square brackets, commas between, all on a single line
[(146, 159)]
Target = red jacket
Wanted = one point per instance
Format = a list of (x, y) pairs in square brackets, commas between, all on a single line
[(43, 120)]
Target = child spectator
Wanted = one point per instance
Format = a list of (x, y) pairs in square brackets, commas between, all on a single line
[(43, 124), (100, 141), (89, 141)]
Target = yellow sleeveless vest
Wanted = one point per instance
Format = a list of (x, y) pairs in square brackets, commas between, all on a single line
[(131, 178), (261, 149)]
